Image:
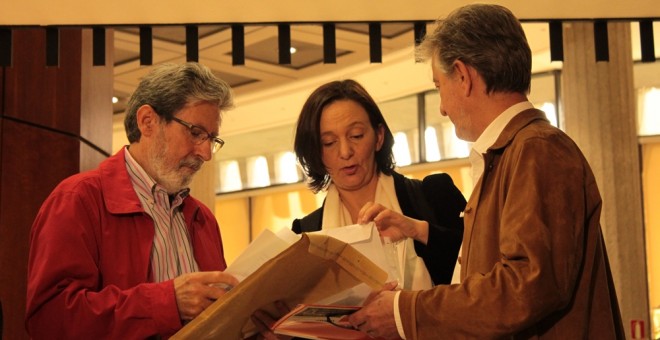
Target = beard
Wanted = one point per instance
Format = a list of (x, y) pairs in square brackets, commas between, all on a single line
[(173, 175)]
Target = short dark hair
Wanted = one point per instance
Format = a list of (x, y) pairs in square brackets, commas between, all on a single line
[(307, 144), (487, 37), (169, 87)]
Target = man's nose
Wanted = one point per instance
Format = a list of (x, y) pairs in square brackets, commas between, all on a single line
[(205, 150)]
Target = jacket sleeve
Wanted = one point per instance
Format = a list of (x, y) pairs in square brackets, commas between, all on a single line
[(66, 293), (295, 226), (309, 223), (446, 203)]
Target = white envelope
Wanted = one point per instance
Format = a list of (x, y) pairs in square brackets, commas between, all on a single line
[(266, 246), (365, 239)]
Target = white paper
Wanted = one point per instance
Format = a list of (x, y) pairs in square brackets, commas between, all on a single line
[(266, 246), (365, 238)]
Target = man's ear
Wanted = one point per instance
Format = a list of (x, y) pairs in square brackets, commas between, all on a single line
[(147, 120), (465, 76)]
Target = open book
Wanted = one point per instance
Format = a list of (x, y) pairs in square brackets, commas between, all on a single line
[(325, 322)]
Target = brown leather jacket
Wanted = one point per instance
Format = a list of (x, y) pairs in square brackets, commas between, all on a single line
[(534, 264)]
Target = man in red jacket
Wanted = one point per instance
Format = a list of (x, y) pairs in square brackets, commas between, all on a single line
[(123, 251), (533, 260)]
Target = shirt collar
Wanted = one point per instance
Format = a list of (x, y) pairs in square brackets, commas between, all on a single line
[(495, 128), (141, 179)]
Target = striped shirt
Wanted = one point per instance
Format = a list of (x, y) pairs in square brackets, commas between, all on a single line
[(171, 253)]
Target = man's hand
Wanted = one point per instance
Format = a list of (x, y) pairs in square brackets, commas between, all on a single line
[(376, 317), (265, 321), (392, 224), (196, 291)]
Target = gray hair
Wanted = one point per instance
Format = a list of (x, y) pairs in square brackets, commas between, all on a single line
[(488, 38), (169, 87)]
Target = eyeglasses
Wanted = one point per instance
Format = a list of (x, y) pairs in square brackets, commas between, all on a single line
[(340, 322), (199, 135)]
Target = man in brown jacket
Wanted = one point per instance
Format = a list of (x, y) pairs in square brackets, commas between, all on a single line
[(534, 264)]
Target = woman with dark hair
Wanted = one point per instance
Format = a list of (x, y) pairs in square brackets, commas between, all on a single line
[(345, 148)]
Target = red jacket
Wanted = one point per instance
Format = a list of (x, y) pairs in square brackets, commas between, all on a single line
[(89, 270)]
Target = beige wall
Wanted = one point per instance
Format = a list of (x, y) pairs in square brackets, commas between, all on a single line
[(233, 216), (76, 12), (651, 193)]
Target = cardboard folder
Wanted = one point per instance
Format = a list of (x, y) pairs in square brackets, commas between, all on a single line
[(312, 269)]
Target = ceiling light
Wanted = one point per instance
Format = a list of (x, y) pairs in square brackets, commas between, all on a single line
[(115, 100), (292, 50)]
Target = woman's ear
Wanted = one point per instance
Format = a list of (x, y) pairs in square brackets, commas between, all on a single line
[(147, 120), (380, 136)]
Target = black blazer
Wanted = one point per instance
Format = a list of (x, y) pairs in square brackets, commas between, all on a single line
[(436, 200)]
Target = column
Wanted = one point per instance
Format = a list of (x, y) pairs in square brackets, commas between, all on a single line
[(599, 114), (204, 183)]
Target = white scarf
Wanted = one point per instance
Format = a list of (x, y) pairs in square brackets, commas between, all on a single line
[(335, 214)]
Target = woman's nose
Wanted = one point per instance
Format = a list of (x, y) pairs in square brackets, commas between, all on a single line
[(345, 149)]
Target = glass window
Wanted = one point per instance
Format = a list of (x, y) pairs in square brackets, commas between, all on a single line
[(257, 172), (286, 170), (648, 112), (230, 176), (271, 144), (444, 138), (550, 112), (543, 94), (431, 143), (401, 116), (401, 149)]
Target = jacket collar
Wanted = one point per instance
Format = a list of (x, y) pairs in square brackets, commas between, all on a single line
[(118, 194), (516, 124)]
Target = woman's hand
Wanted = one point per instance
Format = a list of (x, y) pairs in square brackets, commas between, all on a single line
[(392, 224)]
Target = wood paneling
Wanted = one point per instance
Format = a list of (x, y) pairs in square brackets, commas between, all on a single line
[(33, 163), (47, 96), (42, 119)]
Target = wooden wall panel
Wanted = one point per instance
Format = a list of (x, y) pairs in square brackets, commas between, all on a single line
[(24, 188), (48, 96), (95, 101), (40, 144)]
